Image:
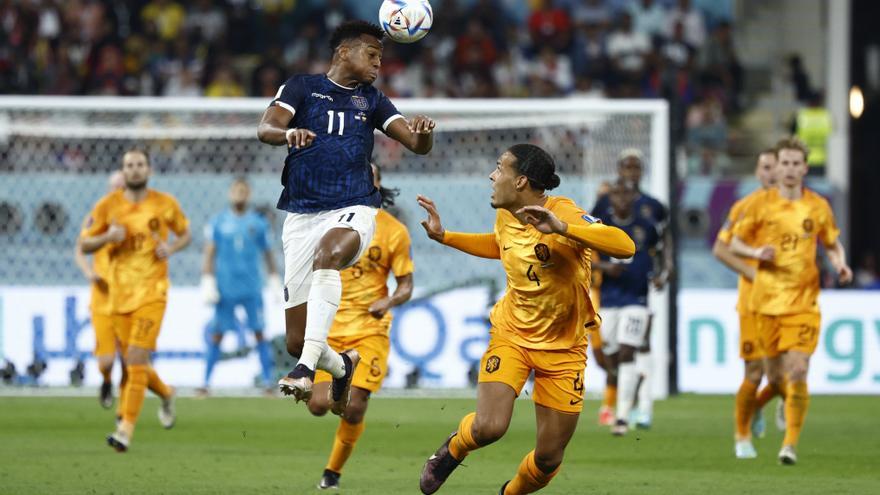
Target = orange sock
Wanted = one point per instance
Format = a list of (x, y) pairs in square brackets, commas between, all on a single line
[(123, 382), (610, 397), (346, 436), (462, 443), (135, 389), (156, 385), (797, 400), (529, 478), (745, 407)]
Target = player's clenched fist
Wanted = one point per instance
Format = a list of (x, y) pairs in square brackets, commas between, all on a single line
[(421, 125), (432, 225), (115, 232), (300, 138)]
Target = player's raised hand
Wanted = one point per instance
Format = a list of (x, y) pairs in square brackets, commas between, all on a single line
[(300, 138), (115, 232), (844, 274), (380, 307), (765, 253), (421, 125), (432, 225), (542, 219)]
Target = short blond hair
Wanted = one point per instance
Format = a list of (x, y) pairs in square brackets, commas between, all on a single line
[(792, 143)]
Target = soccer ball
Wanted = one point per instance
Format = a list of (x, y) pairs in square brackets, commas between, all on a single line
[(406, 21)]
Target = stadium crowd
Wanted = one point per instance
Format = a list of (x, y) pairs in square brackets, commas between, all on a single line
[(477, 48)]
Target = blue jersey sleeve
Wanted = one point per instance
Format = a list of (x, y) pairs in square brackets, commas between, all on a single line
[(290, 95), (385, 113), (264, 239), (210, 231)]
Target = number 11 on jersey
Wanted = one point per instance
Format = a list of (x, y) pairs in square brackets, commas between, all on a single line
[(330, 122)]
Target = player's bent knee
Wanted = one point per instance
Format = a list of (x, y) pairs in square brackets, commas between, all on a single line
[(548, 461), (754, 371), (489, 430), (331, 258), (317, 408), (295, 347)]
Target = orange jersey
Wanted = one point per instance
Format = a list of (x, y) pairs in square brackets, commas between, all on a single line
[(790, 283), (547, 303), (136, 276), (99, 302), (725, 235), (367, 280)]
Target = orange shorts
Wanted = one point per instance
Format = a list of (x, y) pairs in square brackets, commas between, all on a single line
[(105, 339), (559, 373), (140, 328), (373, 367), (789, 333), (751, 345)]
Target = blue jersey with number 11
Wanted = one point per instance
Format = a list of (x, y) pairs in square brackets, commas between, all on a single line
[(334, 171)]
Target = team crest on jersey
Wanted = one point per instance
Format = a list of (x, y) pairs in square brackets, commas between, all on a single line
[(492, 364), (639, 235), (154, 224), (808, 225), (647, 212), (542, 252), (375, 253), (360, 102)]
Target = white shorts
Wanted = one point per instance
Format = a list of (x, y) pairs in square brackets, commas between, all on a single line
[(627, 325), (300, 237)]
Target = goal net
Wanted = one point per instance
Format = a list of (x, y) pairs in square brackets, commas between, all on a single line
[(56, 154)]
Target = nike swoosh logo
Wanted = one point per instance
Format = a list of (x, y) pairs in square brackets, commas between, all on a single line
[(507, 247), (573, 401)]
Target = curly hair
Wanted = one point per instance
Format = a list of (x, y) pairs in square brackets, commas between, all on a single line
[(351, 30)]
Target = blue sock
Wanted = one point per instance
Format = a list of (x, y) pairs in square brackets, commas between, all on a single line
[(265, 361), (212, 355)]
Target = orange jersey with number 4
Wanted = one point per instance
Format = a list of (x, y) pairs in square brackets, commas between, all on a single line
[(367, 280), (725, 235), (136, 275), (790, 283), (547, 304)]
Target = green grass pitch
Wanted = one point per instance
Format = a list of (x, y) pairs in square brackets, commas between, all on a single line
[(267, 446)]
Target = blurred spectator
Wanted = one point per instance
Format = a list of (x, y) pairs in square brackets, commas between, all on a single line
[(475, 51), (867, 275), (224, 84), (550, 25), (648, 17), (720, 66), (207, 21), (799, 79), (554, 69), (267, 77), (676, 51), (183, 83), (627, 50), (691, 19), (590, 54), (706, 124), (592, 12), (812, 125), (166, 16)]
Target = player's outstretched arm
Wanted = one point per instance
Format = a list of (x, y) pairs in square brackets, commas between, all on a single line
[(481, 245), (417, 134), (724, 254), (837, 255), (273, 129), (607, 240)]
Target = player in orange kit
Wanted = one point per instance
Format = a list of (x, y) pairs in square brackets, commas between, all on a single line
[(782, 233), (135, 223), (99, 304), (541, 322), (363, 322), (751, 348)]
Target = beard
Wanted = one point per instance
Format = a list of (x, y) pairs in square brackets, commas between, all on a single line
[(136, 185)]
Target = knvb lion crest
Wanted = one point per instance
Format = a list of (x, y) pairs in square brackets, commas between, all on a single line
[(492, 364), (360, 102), (154, 224), (808, 225), (542, 252)]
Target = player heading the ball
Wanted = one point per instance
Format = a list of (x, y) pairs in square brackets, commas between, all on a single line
[(327, 122)]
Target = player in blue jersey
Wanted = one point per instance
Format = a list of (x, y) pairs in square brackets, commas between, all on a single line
[(630, 167), (236, 240), (327, 123), (625, 312)]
